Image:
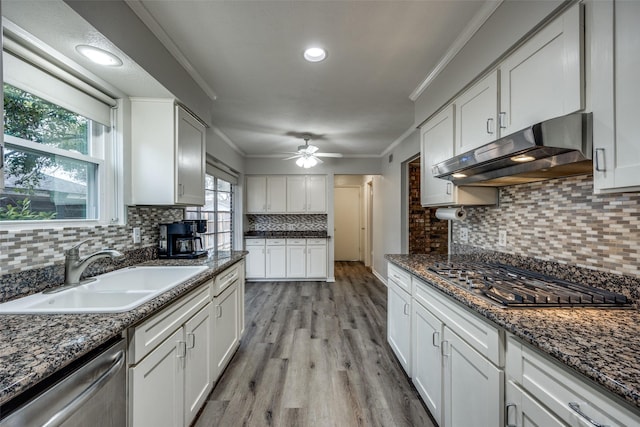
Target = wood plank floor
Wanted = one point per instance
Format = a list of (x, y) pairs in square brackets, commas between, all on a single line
[(315, 354)]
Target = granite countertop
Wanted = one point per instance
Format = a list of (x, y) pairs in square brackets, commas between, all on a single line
[(32, 347), (284, 234), (603, 345)]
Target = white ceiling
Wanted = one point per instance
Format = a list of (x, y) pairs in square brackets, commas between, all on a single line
[(250, 54)]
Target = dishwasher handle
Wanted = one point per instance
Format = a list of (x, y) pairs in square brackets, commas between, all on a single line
[(69, 409)]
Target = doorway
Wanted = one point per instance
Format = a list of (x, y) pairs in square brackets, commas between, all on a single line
[(347, 223)]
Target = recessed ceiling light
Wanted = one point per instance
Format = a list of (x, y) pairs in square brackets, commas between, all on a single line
[(99, 56), (315, 54)]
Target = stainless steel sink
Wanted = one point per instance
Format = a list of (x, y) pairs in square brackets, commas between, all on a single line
[(114, 292)]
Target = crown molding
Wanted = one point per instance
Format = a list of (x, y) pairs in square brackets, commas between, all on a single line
[(153, 25), (398, 141), (228, 141), (474, 25)]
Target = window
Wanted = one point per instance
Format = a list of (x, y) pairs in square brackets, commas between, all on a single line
[(58, 148), (218, 211)]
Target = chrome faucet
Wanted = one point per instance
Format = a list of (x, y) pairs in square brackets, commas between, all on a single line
[(74, 266)]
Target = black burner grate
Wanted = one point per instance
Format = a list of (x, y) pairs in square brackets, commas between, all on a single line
[(512, 287)]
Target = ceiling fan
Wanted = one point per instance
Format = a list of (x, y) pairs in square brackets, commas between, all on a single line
[(308, 155)]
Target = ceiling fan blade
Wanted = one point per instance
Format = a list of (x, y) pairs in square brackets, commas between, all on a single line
[(293, 157), (311, 149), (337, 155)]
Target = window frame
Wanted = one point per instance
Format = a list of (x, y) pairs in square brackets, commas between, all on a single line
[(199, 211)]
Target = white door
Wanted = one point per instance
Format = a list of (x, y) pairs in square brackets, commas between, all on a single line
[(255, 263), (316, 194), (521, 410), (317, 261), (347, 223), (276, 261), (436, 146), (256, 194), (544, 77), (190, 162), (276, 194), (399, 324), (427, 360), (473, 387), (296, 261), (296, 194), (225, 331), (157, 385), (476, 115), (198, 375)]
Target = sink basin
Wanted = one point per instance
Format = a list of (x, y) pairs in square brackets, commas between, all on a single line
[(114, 292)]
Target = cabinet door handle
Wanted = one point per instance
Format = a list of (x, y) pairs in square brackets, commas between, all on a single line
[(490, 126), (406, 309), (600, 153), (218, 311), (449, 187), (506, 414), (445, 345), (502, 119), (191, 340), (435, 339), (576, 408), (180, 189), (181, 348)]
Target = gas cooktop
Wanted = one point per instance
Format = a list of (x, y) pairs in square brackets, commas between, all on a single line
[(512, 287)]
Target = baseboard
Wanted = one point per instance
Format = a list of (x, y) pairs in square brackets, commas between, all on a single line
[(382, 279)]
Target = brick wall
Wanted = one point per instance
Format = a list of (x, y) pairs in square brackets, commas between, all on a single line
[(427, 234)]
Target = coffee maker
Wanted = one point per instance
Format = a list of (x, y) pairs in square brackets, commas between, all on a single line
[(181, 240)]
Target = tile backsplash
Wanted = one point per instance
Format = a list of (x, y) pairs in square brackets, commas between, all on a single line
[(28, 249), (560, 220), (309, 222)]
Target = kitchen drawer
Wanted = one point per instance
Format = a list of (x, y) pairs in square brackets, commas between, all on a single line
[(484, 337), (296, 242), (557, 388), (254, 242), (150, 333), (276, 242), (226, 278), (400, 277), (316, 242)]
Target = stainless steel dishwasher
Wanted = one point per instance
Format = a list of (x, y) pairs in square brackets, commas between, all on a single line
[(92, 392)]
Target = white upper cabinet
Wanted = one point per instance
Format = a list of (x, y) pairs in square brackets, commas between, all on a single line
[(544, 77), (477, 115), (615, 56), (306, 194), (437, 141), (266, 194), (167, 154)]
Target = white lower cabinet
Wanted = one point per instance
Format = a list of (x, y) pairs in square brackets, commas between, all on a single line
[(316, 258), (561, 396), (427, 359), (226, 327), (156, 387), (176, 355), (292, 258), (296, 258), (256, 260), (276, 258), (473, 386), (399, 323)]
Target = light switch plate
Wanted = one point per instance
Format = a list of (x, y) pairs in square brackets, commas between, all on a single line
[(136, 235)]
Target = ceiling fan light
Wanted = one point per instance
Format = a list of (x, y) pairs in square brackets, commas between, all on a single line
[(300, 162), (310, 162)]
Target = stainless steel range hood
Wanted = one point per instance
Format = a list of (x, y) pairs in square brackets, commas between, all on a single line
[(551, 149)]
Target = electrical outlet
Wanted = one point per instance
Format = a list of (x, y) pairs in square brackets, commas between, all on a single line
[(136, 235), (464, 235), (502, 238)]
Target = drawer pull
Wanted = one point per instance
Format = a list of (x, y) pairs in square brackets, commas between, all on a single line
[(406, 309), (576, 408), (435, 339), (506, 414)]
